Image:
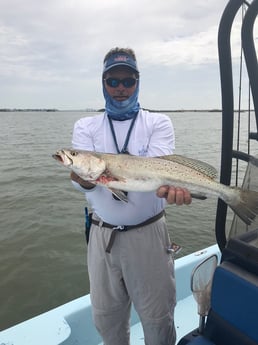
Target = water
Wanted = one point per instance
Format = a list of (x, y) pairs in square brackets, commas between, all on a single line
[(42, 246)]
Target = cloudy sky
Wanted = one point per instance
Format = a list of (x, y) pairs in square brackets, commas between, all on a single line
[(52, 51)]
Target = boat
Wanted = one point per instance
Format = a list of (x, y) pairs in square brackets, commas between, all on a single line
[(217, 287)]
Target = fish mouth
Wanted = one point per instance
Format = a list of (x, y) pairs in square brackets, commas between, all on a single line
[(62, 157), (58, 157)]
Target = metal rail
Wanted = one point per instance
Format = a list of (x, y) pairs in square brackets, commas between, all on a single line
[(227, 96)]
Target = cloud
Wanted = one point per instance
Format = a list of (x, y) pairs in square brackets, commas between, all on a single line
[(54, 44), (60, 32)]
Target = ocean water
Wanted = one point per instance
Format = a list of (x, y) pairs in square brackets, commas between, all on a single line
[(42, 245)]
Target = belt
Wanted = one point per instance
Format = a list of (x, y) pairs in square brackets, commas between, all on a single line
[(122, 228)]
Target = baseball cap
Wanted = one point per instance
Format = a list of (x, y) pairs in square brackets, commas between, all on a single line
[(120, 59)]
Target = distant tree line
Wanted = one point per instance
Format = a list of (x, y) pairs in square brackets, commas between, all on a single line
[(8, 109)]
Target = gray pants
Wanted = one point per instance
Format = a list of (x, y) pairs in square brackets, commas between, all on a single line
[(137, 270)]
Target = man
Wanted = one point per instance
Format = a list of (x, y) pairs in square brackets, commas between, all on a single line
[(133, 266)]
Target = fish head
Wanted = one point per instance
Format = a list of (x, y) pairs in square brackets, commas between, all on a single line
[(88, 165), (62, 157)]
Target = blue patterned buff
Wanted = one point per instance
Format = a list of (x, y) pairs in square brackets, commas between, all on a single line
[(123, 110)]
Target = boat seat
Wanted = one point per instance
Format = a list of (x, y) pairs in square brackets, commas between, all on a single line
[(233, 315), (234, 300)]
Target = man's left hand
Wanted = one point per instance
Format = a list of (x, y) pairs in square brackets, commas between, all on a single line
[(175, 195)]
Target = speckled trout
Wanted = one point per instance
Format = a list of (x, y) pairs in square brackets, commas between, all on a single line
[(121, 172)]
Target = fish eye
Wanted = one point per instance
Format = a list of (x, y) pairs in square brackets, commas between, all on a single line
[(74, 153)]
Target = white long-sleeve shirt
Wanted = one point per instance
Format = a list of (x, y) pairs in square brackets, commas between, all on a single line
[(152, 135)]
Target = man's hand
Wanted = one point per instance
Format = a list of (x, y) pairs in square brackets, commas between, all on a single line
[(175, 195), (82, 183)]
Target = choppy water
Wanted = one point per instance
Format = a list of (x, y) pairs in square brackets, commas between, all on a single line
[(42, 247)]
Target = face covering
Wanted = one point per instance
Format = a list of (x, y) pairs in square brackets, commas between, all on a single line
[(124, 110)]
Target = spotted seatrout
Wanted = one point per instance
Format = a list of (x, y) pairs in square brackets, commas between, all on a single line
[(132, 173)]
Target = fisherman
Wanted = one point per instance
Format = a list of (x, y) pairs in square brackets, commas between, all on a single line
[(129, 259)]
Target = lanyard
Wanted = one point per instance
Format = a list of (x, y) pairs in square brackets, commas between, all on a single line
[(124, 149)]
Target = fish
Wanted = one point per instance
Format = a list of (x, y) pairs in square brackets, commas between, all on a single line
[(125, 172)]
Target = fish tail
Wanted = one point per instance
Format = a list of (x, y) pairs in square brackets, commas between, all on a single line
[(246, 206)]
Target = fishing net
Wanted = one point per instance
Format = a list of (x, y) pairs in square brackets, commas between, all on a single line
[(250, 181), (201, 283)]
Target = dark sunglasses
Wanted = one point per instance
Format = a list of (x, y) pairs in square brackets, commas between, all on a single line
[(126, 82)]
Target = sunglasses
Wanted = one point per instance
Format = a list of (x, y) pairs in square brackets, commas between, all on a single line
[(126, 82)]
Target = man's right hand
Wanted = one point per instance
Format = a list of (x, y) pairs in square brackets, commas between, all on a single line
[(82, 183)]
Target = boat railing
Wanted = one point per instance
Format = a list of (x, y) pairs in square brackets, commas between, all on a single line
[(228, 152)]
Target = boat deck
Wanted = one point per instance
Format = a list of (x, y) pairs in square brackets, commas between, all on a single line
[(71, 323), (186, 319)]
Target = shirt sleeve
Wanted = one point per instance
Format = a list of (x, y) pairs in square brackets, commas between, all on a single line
[(162, 139), (82, 138)]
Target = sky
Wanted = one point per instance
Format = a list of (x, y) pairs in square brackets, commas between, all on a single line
[(52, 51)]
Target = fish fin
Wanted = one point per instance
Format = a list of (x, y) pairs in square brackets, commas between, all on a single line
[(247, 206), (195, 164), (198, 196), (119, 194)]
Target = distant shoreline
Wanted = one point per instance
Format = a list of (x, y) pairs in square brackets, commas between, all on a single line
[(101, 110)]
